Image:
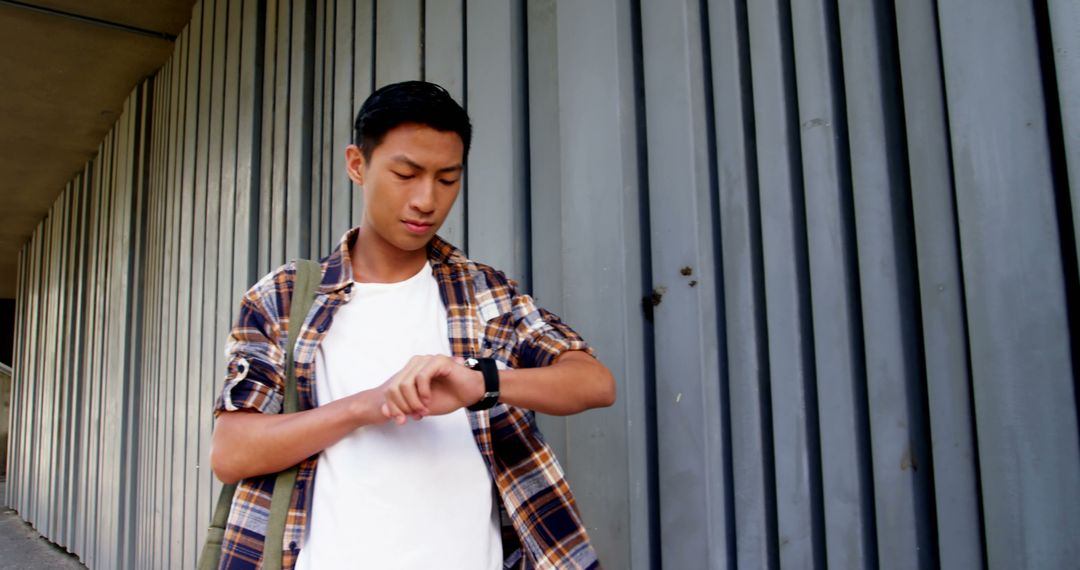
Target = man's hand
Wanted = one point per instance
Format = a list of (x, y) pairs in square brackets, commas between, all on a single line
[(430, 386)]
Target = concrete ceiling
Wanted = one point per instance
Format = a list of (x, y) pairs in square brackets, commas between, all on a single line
[(66, 67)]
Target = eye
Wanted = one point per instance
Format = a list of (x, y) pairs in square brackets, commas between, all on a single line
[(446, 182), (403, 176)]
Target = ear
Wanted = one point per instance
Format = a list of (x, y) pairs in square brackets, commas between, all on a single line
[(355, 164)]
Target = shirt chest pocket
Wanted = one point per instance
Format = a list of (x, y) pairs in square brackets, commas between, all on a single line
[(500, 338)]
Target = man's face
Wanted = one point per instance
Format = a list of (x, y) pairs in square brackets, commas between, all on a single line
[(409, 183)]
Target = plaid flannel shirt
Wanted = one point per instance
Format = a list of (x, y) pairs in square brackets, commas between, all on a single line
[(486, 317)]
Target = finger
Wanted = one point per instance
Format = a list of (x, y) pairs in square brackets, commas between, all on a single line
[(393, 412), (396, 387), (434, 368), (393, 397), (408, 390)]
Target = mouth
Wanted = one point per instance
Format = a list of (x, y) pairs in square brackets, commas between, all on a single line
[(416, 227)]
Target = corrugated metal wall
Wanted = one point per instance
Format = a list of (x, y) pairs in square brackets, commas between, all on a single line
[(827, 247)]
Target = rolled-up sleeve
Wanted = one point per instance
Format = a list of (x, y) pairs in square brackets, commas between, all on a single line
[(255, 361), (540, 336)]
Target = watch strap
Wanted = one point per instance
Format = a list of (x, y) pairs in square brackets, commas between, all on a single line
[(490, 370)]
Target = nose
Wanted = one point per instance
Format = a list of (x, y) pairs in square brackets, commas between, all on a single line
[(423, 197)]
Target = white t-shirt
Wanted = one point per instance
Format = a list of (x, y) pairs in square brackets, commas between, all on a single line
[(388, 496)]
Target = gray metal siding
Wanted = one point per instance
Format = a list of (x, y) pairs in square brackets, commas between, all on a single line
[(827, 248)]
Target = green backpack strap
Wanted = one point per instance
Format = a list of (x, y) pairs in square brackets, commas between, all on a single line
[(210, 558), (308, 277)]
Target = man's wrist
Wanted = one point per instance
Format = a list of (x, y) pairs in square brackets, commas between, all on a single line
[(366, 408)]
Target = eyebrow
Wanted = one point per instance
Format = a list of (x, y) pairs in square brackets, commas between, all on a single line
[(404, 159)]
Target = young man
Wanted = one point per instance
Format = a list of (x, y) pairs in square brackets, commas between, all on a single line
[(395, 472)]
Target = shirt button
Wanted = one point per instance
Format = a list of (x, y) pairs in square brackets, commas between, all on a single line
[(292, 546)]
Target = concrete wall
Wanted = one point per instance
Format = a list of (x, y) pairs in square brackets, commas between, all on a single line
[(827, 247)]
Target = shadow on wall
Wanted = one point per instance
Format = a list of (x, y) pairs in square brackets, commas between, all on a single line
[(5, 415), (7, 337)]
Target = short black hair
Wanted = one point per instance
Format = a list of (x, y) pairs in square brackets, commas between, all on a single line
[(417, 102)]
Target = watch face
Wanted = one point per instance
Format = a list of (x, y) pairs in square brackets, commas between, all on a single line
[(472, 362)]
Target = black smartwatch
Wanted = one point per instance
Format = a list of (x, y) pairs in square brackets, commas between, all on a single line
[(487, 367)]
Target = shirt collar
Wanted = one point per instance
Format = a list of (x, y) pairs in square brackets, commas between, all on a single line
[(337, 267)]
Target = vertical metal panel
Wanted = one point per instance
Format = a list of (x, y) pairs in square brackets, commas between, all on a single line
[(444, 63), (270, 156), (341, 187), (143, 516), (194, 310), (47, 425), (35, 433), (229, 20), (38, 425), (331, 192), (249, 136), (733, 37), (775, 167), (1015, 296), (1064, 19), (104, 452), (56, 402), (134, 244), (583, 134), (20, 386), (75, 355), (190, 231), (171, 451), (846, 482), (23, 450), (111, 379), (363, 72), (188, 297), (79, 357), (112, 356), (887, 289), (154, 418), (545, 181), (941, 289), (545, 168), (272, 221), (163, 453), (82, 474), (69, 336), (211, 361), (298, 190), (398, 50), (93, 379), (97, 514), (32, 413), (94, 522), (322, 118), (696, 526), (498, 172)]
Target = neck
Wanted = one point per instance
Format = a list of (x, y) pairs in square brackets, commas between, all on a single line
[(374, 260)]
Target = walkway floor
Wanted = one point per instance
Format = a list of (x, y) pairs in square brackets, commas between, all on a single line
[(22, 548)]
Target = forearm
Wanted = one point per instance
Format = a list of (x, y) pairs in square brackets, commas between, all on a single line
[(574, 383), (247, 444)]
